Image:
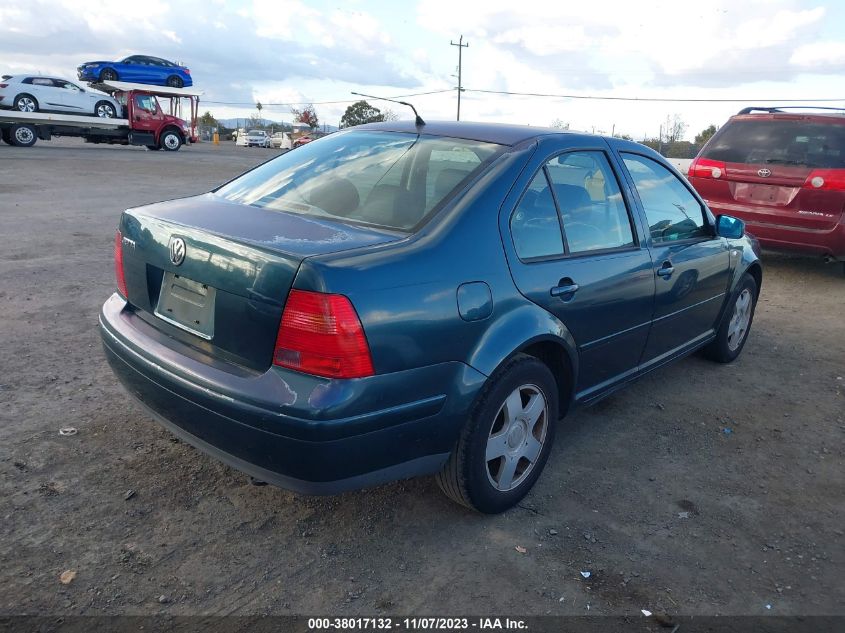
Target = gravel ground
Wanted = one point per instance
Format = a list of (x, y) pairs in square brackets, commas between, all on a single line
[(701, 489)]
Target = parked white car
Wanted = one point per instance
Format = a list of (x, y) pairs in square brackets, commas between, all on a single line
[(254, 138), (48, 94)]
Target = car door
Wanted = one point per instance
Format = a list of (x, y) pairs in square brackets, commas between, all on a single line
[(73, 98), (578, 253), (691, 264), (131, 69)]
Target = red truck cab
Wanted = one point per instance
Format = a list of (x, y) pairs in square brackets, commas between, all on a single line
[(150, 125)]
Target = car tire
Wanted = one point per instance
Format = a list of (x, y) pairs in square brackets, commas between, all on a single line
[(153, 148), (170, 141), (736, 324), (23, 135), (5, 134), (25, 103), (175, 82), (107, 74), (495, 462), (105, 110)]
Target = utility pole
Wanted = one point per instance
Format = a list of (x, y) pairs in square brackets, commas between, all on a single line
[(461, 46)]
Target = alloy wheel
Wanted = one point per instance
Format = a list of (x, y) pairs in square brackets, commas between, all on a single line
[(516, 438), (740, 319)]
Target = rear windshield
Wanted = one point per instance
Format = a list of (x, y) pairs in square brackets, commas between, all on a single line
[(389, 179), (781, 142)]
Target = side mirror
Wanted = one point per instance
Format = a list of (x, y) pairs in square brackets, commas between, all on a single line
[(729, 227)]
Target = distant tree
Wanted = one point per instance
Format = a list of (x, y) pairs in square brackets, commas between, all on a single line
[(705, 135), (673, 128), (560, 125), (259, 107), (208, 119), (625, 137), (359, 113), (306, 115), (389, 115), (254, 122)]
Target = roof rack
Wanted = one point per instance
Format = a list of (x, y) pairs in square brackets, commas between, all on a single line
[(751, 109)]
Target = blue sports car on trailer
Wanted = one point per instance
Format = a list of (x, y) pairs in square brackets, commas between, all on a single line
[(141, 69)]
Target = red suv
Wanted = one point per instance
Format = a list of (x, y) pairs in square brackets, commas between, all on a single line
[(781, 172)]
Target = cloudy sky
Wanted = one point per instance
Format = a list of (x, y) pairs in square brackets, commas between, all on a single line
[(282, 51)]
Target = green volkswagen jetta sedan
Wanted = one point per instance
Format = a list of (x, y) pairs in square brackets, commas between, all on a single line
[(399, 300)]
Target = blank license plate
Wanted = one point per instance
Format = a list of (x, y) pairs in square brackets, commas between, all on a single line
[(187, 304)]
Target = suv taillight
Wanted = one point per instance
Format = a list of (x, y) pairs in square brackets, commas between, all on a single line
[(826, 180), (707, 168), (4, 85), (118, 264), (321, 334)]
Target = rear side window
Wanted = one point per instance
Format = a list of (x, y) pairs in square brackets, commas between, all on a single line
[(591, 205), (779, 142), (673, 213)]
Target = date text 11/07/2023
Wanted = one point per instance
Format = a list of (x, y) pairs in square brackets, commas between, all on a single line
[(416, 624)]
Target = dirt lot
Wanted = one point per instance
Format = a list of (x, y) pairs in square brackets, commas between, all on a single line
[(702, 489)]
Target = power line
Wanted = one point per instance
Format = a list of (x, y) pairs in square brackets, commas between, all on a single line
[(299, 103), (684, 100)]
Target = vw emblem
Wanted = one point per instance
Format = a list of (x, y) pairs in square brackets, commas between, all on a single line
[(177, 250), (764, 173)]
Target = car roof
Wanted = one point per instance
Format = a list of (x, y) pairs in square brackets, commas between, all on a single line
[(499, 133)]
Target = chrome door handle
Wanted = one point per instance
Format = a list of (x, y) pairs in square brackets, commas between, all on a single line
[(665, 270), (563, 291)]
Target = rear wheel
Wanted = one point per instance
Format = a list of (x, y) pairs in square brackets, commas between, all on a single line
[(170, 140), (732, 334), (23, 135), (26, 103), (108, 75), (105, 110), (175, 82), (507, 439)]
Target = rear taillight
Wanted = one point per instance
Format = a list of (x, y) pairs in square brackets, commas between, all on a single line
[(321, 334), (707, 168), (118, 264), (187, 71), (826, 180), (4, 85)]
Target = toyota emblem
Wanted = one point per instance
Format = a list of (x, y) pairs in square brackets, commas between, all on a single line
[(177, 250), (764, 173)]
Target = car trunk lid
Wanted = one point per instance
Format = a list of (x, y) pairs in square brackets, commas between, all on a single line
[(226, 296)]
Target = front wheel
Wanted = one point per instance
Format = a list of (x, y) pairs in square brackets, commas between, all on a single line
[(732, 334), (105, 110), (171, 141), (507, 439)]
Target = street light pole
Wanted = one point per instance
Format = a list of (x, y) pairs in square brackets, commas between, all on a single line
[(461, 46)]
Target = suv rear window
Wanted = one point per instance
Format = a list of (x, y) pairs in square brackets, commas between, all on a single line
[(781, 142)]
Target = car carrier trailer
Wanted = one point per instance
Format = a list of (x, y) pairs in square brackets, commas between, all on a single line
[(151, 116)]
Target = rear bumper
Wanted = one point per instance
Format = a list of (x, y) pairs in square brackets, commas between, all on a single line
[(828, 241), (304, 433)]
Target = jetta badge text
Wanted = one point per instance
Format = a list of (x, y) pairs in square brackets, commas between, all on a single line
[(177, 250), (764, 173)]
